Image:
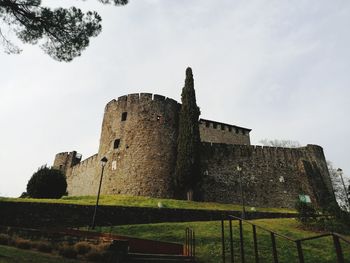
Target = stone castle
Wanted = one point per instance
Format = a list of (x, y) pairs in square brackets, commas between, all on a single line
[(139, 139)]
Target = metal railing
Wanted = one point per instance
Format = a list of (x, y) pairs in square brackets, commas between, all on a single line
[(190, 243), (298, 242)]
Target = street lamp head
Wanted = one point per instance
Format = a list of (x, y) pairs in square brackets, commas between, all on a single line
[(339, 171), (104, 161)]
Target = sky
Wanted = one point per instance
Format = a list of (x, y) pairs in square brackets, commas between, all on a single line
[(278, 67)]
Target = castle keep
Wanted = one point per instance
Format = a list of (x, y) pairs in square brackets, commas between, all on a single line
[(139, 139)]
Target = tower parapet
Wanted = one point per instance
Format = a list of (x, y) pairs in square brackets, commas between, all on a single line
[(66, 160)]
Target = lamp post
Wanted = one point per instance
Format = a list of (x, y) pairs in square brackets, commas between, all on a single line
[(340, 173), (103, 164), (239, 169)]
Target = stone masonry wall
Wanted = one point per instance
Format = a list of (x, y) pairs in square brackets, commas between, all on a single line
[(83, 178), (271, 177), (65, 160), (143, 162), (215, 132), (139, 139)]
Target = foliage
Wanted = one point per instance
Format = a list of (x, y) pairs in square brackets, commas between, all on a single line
[(67, 251), (24, 195), (280, 143), (4, 239), (82, 247), (47, 183), (187, 172), (22, 243), (306, 211), (63, 32), (94, 256), (12, 254), (331, 219), (43, 246), (338, 187)]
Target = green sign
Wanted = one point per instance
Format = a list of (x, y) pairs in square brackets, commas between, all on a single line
[(305, 198)]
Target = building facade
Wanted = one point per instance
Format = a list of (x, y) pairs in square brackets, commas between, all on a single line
[(139, 139)]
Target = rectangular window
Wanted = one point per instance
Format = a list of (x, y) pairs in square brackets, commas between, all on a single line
[(229, 128), (124, 115), (116, 143), (222, 127), (207, 124), (215, 125)]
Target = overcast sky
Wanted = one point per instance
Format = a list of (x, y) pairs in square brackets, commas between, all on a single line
[(278, 67)]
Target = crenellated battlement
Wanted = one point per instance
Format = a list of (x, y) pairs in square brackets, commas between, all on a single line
[(88, 160), (224, 126), (264, 152), (62, 153), (142, 98)]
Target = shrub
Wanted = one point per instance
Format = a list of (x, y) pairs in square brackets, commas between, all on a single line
[(47, 183), (82, 247), (94, 255), (24, 195), (306, 212), (67, 251), (44, 246), (23, 243), (4, 239)]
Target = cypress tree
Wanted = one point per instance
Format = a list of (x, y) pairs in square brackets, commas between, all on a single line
[(187, 172)]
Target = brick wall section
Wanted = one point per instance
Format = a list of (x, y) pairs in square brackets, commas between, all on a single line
[(271, 177), (25, 214)]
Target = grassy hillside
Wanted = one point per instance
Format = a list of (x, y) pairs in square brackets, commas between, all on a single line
[(141, 201), (15, 255), (208, 240)]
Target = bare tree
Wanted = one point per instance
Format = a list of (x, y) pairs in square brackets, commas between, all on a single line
[(280, 143), (340, 189)]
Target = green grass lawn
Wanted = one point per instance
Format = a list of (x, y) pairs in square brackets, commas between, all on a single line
[(15, 255), (208, 240), (141, 201)]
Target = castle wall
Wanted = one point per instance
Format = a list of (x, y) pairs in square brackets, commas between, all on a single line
[(83, 178), (139, 139), (215, 132), (143, 163), (65, 160), (271, 177)]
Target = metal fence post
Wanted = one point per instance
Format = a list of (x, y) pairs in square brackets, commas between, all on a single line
[(223, 240), (255, 245), (274, 250), (241, 241), (338, 250), (194, 245), (300, 251), (231, 242)]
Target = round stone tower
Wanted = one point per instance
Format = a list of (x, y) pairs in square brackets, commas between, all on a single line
[(138, 137)]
